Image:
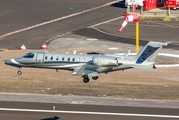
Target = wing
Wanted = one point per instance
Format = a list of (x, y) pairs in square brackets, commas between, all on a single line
[(84, 71), (78, 70)]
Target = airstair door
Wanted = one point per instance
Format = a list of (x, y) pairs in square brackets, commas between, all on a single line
[(40, 57)]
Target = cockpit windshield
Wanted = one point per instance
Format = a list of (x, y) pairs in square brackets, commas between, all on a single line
[(29, 55)]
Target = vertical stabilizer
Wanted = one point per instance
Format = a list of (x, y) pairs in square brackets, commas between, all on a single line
[(149, 52)]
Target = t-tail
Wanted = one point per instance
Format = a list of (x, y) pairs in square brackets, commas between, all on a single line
[(147, 55)]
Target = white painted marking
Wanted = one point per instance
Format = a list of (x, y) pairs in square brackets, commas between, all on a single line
[(172, 65), (57, 37), (114, 48), (91, 39), (124, 53), (106, 21), (169, 55), (92, 113), (161, 54), (103, 31), (58, 19), (77, 102), (109, 33)]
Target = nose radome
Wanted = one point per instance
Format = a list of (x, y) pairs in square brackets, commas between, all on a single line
[(8, 62)]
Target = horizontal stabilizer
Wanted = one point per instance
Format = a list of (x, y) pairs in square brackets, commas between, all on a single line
[(144, 67), (159, 44)]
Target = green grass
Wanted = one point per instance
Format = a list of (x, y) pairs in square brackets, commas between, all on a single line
[(141, 17), (166, 18), (156, 17)]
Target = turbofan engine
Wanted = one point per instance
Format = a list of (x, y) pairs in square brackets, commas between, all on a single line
[(104, 62)]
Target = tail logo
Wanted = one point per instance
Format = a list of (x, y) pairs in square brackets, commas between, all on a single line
[(144, 56)]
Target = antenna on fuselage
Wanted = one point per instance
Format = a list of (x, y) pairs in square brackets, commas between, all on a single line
[(74, 52)]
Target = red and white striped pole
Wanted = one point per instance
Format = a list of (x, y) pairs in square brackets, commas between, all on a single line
[(129, 18)]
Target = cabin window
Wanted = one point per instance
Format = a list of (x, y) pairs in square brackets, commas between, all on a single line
[(45, 57), (73, 59), (69, 59), (51, 58), (63, 58), (83, 60), (57, 58), (78, 59)]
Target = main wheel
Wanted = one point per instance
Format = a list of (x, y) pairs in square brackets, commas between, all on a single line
[(19, 72), (85, 79), (95, 77)]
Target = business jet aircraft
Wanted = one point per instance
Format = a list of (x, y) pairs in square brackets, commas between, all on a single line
[(90, 65)]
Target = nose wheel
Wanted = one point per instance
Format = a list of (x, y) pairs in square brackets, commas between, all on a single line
[(19, 72)]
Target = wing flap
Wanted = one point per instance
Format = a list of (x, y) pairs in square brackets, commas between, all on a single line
[(93, 74)]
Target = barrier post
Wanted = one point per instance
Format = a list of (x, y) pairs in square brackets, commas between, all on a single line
[(53, 107), (137, 37)]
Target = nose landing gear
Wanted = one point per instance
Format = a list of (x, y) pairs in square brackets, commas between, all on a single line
[(19, 71)]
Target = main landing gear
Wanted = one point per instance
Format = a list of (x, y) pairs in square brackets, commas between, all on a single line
[(95, 77), (86, 79), (19, 71)]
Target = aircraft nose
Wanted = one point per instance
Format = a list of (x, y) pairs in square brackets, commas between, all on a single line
[(8, 62)]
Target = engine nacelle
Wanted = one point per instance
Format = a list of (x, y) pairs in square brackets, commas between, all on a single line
[(104, 62)]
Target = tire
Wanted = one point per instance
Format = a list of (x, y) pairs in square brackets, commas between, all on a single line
[(95, 77), (19, 72), (86, 80)]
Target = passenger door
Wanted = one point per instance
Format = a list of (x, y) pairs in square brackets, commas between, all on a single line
[(40, 58)]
